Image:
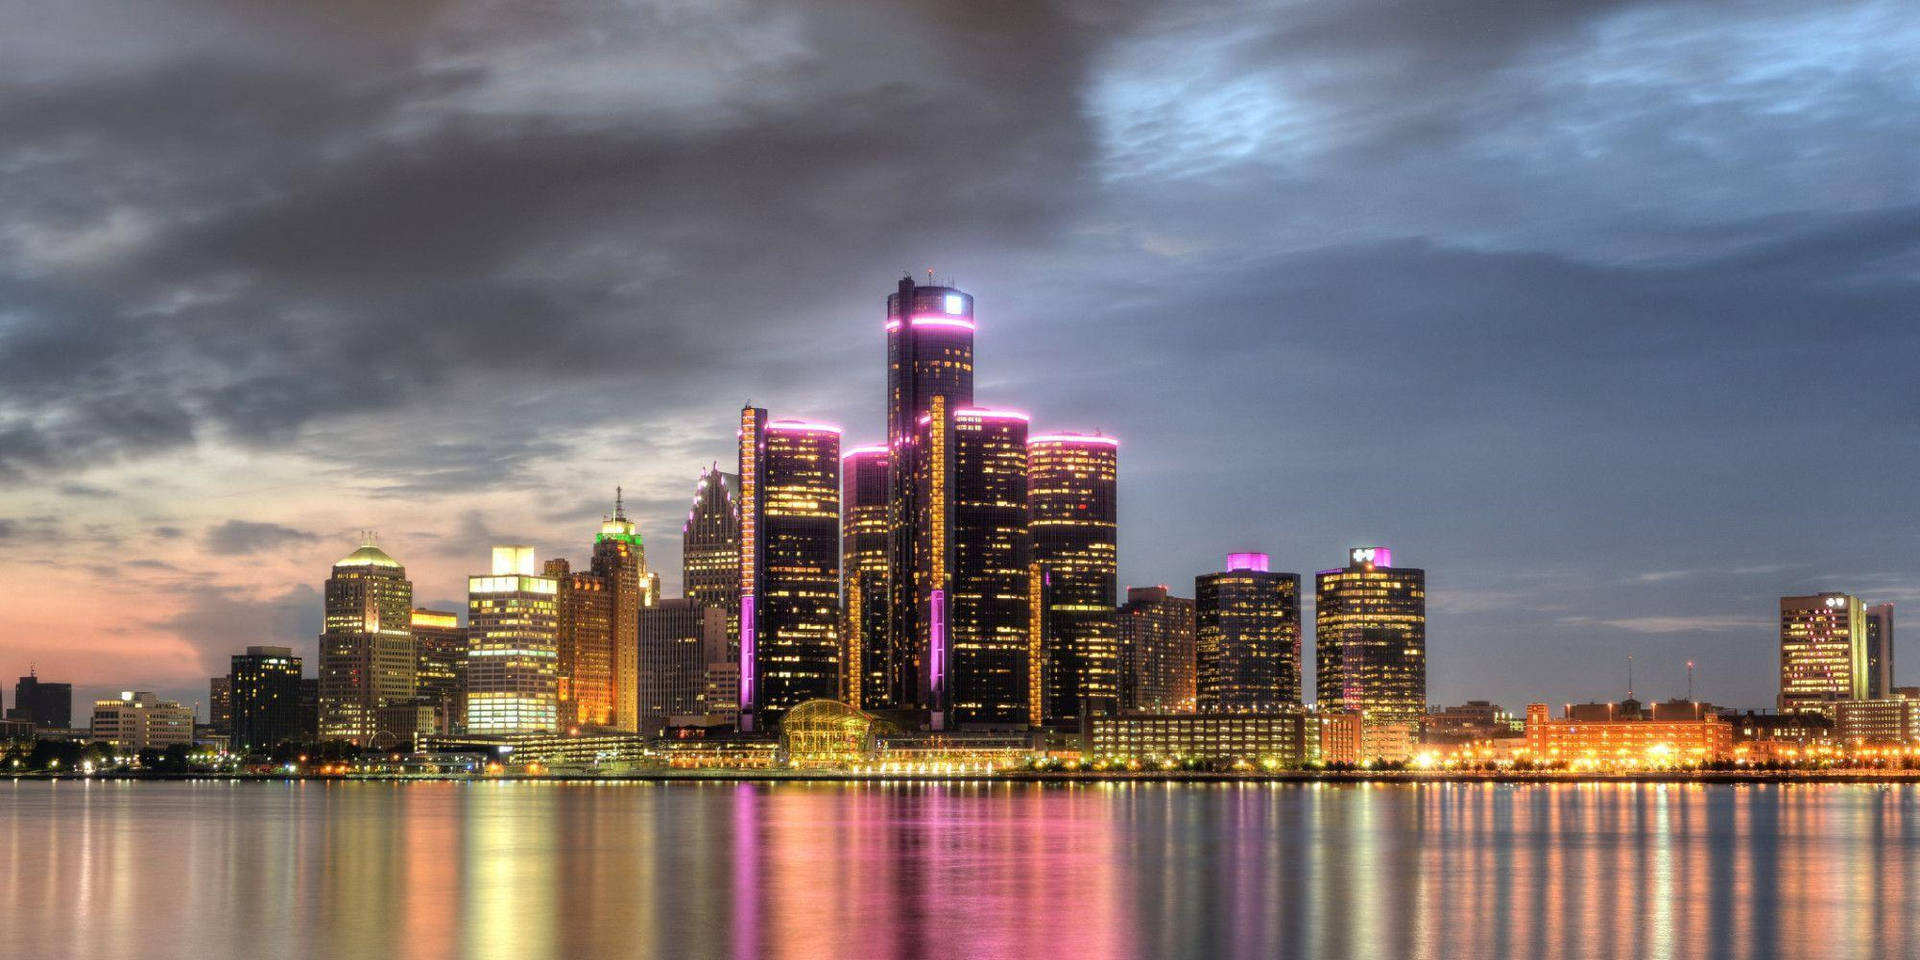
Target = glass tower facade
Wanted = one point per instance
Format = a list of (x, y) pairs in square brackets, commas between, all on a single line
[(264, 698), (1370, 638), (1247, 637), (366, 646), (512, 647), (863, 571), (1072, 514), (1156, 652), (710, 546), (440, 665), (1823, 652), (789, 566), (985, 615)]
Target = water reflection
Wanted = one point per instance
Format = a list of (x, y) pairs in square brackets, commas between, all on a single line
[(496, 870)]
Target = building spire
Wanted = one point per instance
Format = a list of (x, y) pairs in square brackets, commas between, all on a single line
[(619, 511)]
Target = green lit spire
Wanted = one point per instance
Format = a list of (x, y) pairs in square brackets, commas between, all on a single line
[(618, 527)]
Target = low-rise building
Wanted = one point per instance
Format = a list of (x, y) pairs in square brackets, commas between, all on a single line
[(1277, 737), (1888, 720), (1624, 735), (138, 720)]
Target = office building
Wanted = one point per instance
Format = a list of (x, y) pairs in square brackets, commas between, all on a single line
[(512, 647), (45, 705), (611, 660), (1271, 739), (789, 566), (1880, 651), (1156, 652), (366, 649), (677, 640), (1625, 735), (1823, 652), (265, 685), (440, 666), (583, 647), (138, 720), (865, 656), (220, 704), (1370, 638), (1247, 637), (710, 547), (1890, 719), (1072, 510)]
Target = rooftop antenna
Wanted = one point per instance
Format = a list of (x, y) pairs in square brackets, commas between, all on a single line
[(1629, 676), (619, 512), (1689, 680), (368, 538), (930, 276)]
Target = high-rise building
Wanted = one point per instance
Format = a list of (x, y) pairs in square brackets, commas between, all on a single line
[(265, 685), (220, 704), (974, 565), (678, 639), (1823, 651), (512, 647), (583, 646), (366, 649), (440, 671), (710, 547), (43, 704), (138, 720), (1156, 652), (1247, 637), (1880, 651), (1370, 638), (309, 709), (612, 660), (864, 545), (1072, 505), (789, 565), (929, 354)]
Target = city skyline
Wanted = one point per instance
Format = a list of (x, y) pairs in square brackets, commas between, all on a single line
[(1554, 353)]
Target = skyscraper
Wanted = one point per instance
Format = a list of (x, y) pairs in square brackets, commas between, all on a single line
[(1880, 651), (710, 546), (1823, 651), (981, 466), (612, 661), (512, 627), (1072, 513), (1247, 637), (265, 694), (584, 611), (865, 657), (929, 354), (678, 639), (789, 565), (1156, 652), (220, 704), (1370, 638), (440, 665), (366, 649), (44, 704)]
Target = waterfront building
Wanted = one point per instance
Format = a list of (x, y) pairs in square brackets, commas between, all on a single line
[(220, 704), (1473, 720), (1272, 738), (866, 656), (930, 332), (1893, 719), (45, 705), (1624, 735), (710, 548), (265, 686), (1247, 637), (138, 720), (1343, 737), (789, 565), (1157, 652), (1823, 651), (1880, 651), (607, 690), (366, 648), (1072, 509), (512, 647), (584, 613), (1370, 638), (440, 665), (678, 639)]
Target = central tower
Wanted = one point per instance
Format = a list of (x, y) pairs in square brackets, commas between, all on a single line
[(929, 354)]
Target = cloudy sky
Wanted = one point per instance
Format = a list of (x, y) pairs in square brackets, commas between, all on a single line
[(1601, 311)]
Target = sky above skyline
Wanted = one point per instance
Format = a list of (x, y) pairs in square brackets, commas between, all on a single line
[(1600, 311)]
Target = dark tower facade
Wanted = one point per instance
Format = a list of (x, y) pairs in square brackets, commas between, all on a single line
[(929, 354), (1072, 504), (710, 546), (789, 566), (264, 687), (1247, 637), (1370, 638), (986, 622), (863, 571), (1156, 652)]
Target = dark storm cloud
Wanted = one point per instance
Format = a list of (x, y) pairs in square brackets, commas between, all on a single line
[(219, 621), (236, 537)]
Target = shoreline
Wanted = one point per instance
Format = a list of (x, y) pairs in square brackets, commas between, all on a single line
[(1048, 777)]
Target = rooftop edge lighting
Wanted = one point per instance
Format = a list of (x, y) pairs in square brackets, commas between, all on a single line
[(1256, 562)]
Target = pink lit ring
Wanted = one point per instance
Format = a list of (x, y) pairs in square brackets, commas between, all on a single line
[(802, 426), (872, 451), (983, 413), (1075, 438)]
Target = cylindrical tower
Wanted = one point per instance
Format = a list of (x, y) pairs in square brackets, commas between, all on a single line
[(1072, 506)]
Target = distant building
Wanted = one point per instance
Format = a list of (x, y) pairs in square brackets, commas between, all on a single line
[(710, 548), (866, 657), (41, 703), (1823, 652), (1247, 637), (1072, 509), (220, 704), (1880, 651), (366, 649), (1370, 638), (309, 709), (1277, 737), (1625, 735), (1796, 728), (138, 720), (607, 665), (789, 566), (1157, 652), (1473, 720), (265, 685), (440, 665), (583, 646), (1879, 720), (678, 639), (512, 626)]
